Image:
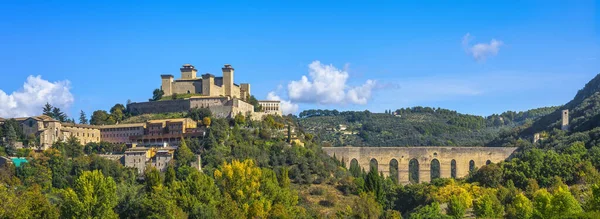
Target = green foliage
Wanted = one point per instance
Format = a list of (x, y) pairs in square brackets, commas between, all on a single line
[(431, 211), (457, 206), (92, 196), (157, 94), (520, 208), (488, 206), (197, 114), (183, 155), (82, 118), (257, 107)]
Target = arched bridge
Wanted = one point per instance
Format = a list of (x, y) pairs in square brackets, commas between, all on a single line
[(453, 162)]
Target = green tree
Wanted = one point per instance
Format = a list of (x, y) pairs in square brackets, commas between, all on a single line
[(159, 203), (59, 115), (101, 117), (564, 204), (117, 112), (198, 114), (365, 206), (542, 206), (430, 211), (47, 110), (92, 196), (82, 118), (457, 206), (183, 155), (488, 206), (157, 94), (73, 147), (520, 208)]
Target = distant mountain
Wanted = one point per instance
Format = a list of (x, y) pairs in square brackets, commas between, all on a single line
[(416, 126), (584, 115)]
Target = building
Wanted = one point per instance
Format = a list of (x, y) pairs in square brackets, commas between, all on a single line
[(121, 133), (272, 107), (168, 132), (161, 160), (84, 133), (206, 85), (565, 120), (138, 158), (221, 95)]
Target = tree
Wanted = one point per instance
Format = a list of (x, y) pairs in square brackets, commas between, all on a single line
[(82, 118), (157, 94), (117, 112), (101, 117), (206, 121), (59, 115), (240, 119), (563, 203), (198, 114), (92, 196), (183, 155), (47, 110), (520, 208), (542, 206), (240, 183), (457, 206), (257, 107), (365, 206), (488, 206), (73, 147)]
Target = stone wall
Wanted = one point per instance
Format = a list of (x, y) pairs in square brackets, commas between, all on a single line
[(459, 157), (166, 106), (185, 87)]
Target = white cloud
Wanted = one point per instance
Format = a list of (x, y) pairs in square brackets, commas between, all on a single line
[(35, 94), (481, 51), (326, 84), (287, 106)]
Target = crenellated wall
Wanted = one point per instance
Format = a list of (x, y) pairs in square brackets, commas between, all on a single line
[(461, 156)]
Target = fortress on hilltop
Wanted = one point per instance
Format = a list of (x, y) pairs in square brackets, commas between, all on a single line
[(207, 85), (221, 95)]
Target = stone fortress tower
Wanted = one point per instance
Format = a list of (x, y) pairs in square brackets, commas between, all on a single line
[(565, 120), (207, 85)]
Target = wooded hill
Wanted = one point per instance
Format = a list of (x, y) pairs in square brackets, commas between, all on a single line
[(416, 126)]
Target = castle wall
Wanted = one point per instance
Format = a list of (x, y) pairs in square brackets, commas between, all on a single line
[(235, 92), (184, 87), (166, 106), (207, 102), (241, 107)]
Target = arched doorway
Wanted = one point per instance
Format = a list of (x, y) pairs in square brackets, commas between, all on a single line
[(471, 166), (413, 171), (394, 170), (373, 165), (488, 162), (354, 168), (435, 169), (453, 169)]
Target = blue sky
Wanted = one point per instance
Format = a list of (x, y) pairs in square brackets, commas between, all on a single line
[(414, 53)]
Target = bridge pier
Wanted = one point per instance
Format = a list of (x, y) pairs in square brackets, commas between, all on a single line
[(403, 174), (445, 169)]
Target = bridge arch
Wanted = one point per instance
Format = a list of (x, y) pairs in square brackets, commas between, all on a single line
[(354, 168), (413, 170), (488, 162), (435, 169), (394, 171), (471, 165), (373, 165), (454, 161)]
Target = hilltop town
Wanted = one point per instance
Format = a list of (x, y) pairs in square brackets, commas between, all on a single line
[(154, 141)]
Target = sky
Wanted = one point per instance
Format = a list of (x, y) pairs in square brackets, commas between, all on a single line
[(475, 57)]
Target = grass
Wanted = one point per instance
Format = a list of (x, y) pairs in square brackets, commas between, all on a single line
[(145, 117), (179, 96)]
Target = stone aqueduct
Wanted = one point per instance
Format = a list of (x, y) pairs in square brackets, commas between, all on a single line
[(453, 161)]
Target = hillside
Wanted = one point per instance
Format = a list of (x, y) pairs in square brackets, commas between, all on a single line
[(584, 113), (417, 126)]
